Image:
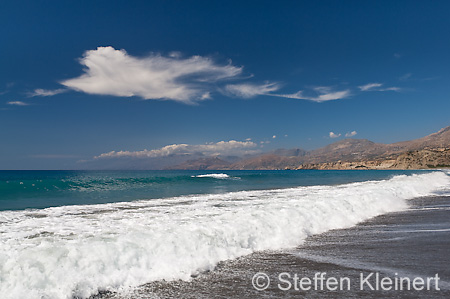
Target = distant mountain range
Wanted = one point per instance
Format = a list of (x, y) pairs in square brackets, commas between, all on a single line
[(426, 152)]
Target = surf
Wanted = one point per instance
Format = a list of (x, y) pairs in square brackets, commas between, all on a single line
[(79, 250)]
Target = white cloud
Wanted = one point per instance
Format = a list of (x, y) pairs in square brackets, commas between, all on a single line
[(370, 86), (108, 71), (390, 89), (248, 90), (337, 95), (18, 103), (274, 136), (324, 94), (377, 87), (333, 135), (45, 92), (114, 72), (351, 134), (231, 147)]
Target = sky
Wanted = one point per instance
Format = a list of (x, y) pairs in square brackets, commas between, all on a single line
[(83, 81)]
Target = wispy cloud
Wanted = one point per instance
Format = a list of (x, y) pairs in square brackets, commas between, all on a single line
[(351, 134), (114, 72), (377, 87), (323, 94), (333, 135), (410, 77), (17, 103), (249, 90), (46, 92), (405, 77), (393, 88), (369, 86), (231, 147)]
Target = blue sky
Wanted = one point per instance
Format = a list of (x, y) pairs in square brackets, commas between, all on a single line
[(80, 79)]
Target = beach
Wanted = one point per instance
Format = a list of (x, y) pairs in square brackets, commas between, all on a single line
[(413, 243), (204, 234)]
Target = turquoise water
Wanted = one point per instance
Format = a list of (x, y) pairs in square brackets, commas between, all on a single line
[(41, 189)]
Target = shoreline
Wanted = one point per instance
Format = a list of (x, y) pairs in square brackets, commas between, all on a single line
[(123, 244), (411, 243)]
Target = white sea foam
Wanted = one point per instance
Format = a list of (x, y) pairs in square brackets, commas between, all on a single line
[(77, 250), (213, 175)]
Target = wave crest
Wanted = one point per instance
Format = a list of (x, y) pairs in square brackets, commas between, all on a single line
[(213, 175)]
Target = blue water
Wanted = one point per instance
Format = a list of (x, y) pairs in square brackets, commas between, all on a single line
[(41, 189)]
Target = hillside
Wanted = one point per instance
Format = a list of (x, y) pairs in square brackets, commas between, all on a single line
[(428, 158), (344, 154)]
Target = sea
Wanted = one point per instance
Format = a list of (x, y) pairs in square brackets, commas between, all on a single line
[(225, 234)]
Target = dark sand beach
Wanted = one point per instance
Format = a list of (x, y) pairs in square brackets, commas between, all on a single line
[(412, 243)]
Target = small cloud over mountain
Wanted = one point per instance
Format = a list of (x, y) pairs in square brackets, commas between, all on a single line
[(334, 135), (351, 134)]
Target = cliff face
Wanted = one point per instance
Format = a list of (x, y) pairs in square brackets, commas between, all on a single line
[(430, 158), (341, 165)]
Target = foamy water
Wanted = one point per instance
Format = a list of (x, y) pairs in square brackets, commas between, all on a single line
[(213, 175), (70, 251)]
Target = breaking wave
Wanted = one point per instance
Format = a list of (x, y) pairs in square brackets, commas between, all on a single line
[(213, 175), (75, 251)]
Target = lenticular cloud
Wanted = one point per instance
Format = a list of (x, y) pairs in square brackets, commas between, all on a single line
[(114, 72)]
